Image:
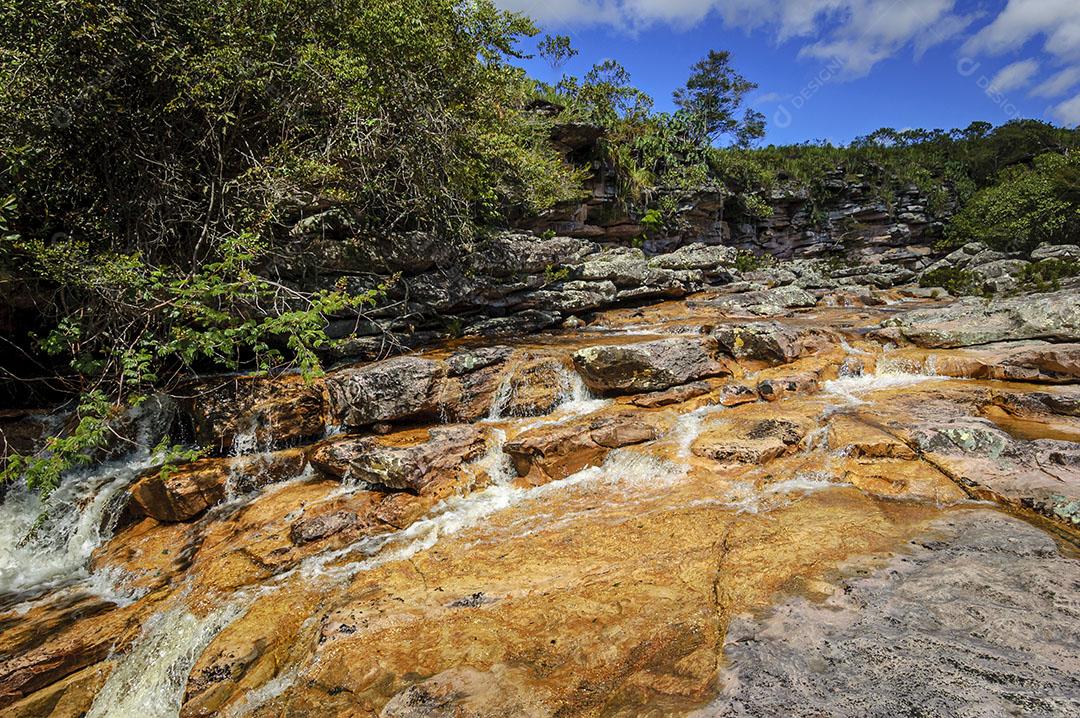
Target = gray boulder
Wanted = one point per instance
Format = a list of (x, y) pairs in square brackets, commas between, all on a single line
[(393, 390), (712, 260), (1053, 316), (769, 341), (648, 366), (408, 463), (625, 267), (1055, 251)]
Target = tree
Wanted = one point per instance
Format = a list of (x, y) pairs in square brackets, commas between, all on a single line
[(607, 96), (557, 50), (154, 157), (1026, 206), (713, 96)]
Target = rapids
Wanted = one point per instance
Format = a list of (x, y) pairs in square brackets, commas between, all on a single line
[(684, 545)]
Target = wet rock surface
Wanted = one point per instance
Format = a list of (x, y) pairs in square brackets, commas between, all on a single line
[(951, 626), (648, 366), (1054, 316), (776, 496)]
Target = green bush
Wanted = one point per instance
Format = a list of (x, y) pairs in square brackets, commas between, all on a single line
[(155, 155), (1046, 276), (1026, 206), (956, 281), (154, 126)]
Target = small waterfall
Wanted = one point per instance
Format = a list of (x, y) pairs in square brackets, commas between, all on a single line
[(78, 517), (574, 389), (688, 427), (890, 374), (149, 681), (574, 398), (746, 497), (503, 394), (258, 697)]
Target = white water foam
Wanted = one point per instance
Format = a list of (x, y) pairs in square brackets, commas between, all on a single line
[(457, 513), (258, 697), (746, 497), (149, 681), (112, 583), (500, 402), (79, 516), (889, 375), (575, 400)]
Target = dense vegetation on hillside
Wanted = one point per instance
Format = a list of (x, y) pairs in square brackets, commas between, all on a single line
[(154, 157), (154, 153)]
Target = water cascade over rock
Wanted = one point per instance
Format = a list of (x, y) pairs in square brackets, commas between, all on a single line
[(779, 495)]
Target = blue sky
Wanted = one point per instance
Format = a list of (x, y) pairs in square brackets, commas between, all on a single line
[(836, 69)]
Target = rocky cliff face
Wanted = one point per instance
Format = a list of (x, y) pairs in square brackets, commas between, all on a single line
[(842, 217), (846, 219), (592, 254)]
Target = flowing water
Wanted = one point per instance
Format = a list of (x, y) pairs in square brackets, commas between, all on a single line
[(149, 681), (602, 580), (45, 544)]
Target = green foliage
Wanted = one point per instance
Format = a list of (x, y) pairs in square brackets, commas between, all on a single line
[(652, 221), (131, 327), (746, 261), (605, 95), (153, 157), (42, 471), (556, 49), (755, 206), (712, 97), (647, 151), (1026, 206), (955, 281), (947, 167), (151, 126), (554, 275), (1046, 276)]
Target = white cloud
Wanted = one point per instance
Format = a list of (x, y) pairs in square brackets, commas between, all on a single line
[(856, 34), (1068, 112), (1058, 84), (768, 98), (1022, 20), (1012, 76), (875, 30)]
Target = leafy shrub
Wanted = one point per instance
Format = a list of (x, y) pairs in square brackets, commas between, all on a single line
[(1026, 206), (554, 275), (956, 281), (746, 261), (155, 155), (1046, 276)]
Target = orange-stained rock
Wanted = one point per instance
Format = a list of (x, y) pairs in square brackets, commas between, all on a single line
[(70, 647), (900, 478), (555, 452), (406, 461), (676, 395), (70, 697), (148, 554), (750, 440), (858, 438), (182, 493), (532, 386), (264, 412), (609, 594), (648, 366)]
